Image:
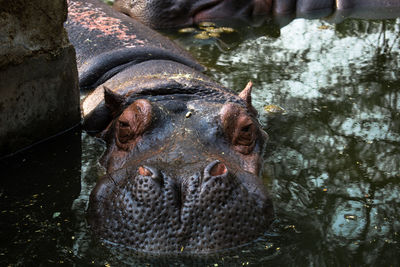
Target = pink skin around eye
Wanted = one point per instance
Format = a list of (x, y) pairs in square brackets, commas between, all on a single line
[(133, 122), (239, 128)]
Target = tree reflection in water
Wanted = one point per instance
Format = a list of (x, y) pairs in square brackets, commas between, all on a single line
[(334, 156)]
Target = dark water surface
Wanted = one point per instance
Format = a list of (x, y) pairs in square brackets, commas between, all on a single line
[(332, 163)]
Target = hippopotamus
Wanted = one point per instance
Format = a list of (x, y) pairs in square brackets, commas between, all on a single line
[(183, 154), (180, 13)]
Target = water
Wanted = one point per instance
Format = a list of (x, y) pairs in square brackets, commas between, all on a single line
[(332, 162)]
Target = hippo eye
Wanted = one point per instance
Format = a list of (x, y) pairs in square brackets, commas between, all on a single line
[(123, 124), (132, 123), (246, 129), (244, 134), (239, 128), (125, 131)]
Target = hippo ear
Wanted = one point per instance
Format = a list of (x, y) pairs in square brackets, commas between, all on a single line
[(113, 101), (246, 96), (246, 93)]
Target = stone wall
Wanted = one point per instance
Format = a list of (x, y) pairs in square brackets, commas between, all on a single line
[(39, 95)]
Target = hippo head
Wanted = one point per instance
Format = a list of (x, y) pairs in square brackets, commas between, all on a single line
[(176, 13), (182, 174)]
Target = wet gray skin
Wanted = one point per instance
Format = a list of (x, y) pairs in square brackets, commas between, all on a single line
[(183, 162), (181, 188), (184, 153)]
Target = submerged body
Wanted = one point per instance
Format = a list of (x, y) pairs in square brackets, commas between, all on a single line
[(180, 13), (184, 154)]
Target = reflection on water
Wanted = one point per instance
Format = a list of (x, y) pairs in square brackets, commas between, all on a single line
[(334, 156), (332, 163)]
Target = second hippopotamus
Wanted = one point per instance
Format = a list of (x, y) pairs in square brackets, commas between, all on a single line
[(180, 13)]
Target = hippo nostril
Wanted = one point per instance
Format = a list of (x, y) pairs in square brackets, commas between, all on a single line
[(218, 169), (215, 168), (153, 173), (144, 171), (149, 172)]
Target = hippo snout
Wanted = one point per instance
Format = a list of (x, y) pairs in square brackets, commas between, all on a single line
[(148, 209)]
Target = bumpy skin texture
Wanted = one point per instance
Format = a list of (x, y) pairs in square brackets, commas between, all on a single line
[(183, 154), (178, 13), (181, 182)]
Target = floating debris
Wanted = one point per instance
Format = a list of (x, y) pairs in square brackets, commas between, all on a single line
[(206, 24), (214, 30), (214, 34), (227, 29), (187, 30), (269, 245), (350, 217), (206, 30), (188, 114), (323, 27), (274, 109), (202, 36), (293, 227)]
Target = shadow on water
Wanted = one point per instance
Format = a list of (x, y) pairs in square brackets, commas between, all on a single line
[(37, 188), (332, 163)]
